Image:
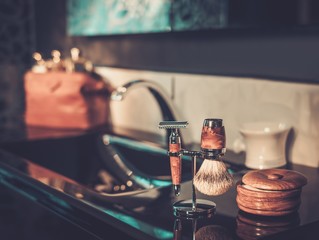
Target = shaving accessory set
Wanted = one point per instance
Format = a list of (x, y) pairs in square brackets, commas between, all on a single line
[(73, 63), (66, 92), (212, 177)]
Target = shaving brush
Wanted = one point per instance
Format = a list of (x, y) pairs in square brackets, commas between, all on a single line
[(212, 177)]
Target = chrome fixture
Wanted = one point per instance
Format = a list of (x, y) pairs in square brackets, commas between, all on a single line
[(164, 101)]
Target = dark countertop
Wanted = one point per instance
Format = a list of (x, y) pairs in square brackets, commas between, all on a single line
[(66, 207)]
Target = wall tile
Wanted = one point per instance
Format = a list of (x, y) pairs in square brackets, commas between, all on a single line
[(236, 100)]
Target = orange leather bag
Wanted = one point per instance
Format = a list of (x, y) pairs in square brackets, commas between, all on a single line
[(66, 100)]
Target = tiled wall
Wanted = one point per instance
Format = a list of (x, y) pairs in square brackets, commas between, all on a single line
[(235, 100), (16, 47)]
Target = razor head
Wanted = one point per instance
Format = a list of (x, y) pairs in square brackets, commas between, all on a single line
[(172, 124)]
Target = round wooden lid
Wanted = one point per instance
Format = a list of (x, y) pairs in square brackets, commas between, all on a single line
[(274, 179)]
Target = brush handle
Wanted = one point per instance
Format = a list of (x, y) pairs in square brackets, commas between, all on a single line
[(213, 141), (213, 138), (175, 163)]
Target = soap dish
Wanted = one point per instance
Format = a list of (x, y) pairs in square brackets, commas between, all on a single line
[(270, 192)]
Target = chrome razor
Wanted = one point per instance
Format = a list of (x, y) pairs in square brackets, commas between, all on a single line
[(174, 152)]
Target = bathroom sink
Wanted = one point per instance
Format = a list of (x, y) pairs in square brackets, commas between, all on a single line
[(103, 169)]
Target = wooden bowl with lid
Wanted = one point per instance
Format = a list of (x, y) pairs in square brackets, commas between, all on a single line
[(270, 192)]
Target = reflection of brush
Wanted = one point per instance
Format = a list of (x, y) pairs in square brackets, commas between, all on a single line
[(174, 152), (213, 232), (213, 178)]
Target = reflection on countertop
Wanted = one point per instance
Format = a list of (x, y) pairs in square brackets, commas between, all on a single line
[(200, 229), (61, 187), (251, 226)]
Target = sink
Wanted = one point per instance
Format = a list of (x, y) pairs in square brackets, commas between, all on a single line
[(101, 169)]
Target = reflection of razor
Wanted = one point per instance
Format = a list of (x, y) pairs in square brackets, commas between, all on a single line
[(177, 229), (175, 151)]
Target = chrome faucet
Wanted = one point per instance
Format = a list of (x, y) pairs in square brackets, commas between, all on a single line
[(164, 101)]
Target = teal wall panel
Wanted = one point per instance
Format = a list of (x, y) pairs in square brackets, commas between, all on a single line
[(105, 17)]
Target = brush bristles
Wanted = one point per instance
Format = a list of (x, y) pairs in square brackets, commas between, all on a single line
[(213, 178)]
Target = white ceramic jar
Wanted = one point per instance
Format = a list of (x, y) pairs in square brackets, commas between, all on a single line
[(265, 144)]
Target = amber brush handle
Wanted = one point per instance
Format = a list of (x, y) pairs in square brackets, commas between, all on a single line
[(213, 138)]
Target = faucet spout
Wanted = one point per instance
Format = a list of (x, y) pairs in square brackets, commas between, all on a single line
[(165, 103), (167, 109)]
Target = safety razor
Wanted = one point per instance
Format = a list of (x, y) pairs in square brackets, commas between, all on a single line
[(174, 151)]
